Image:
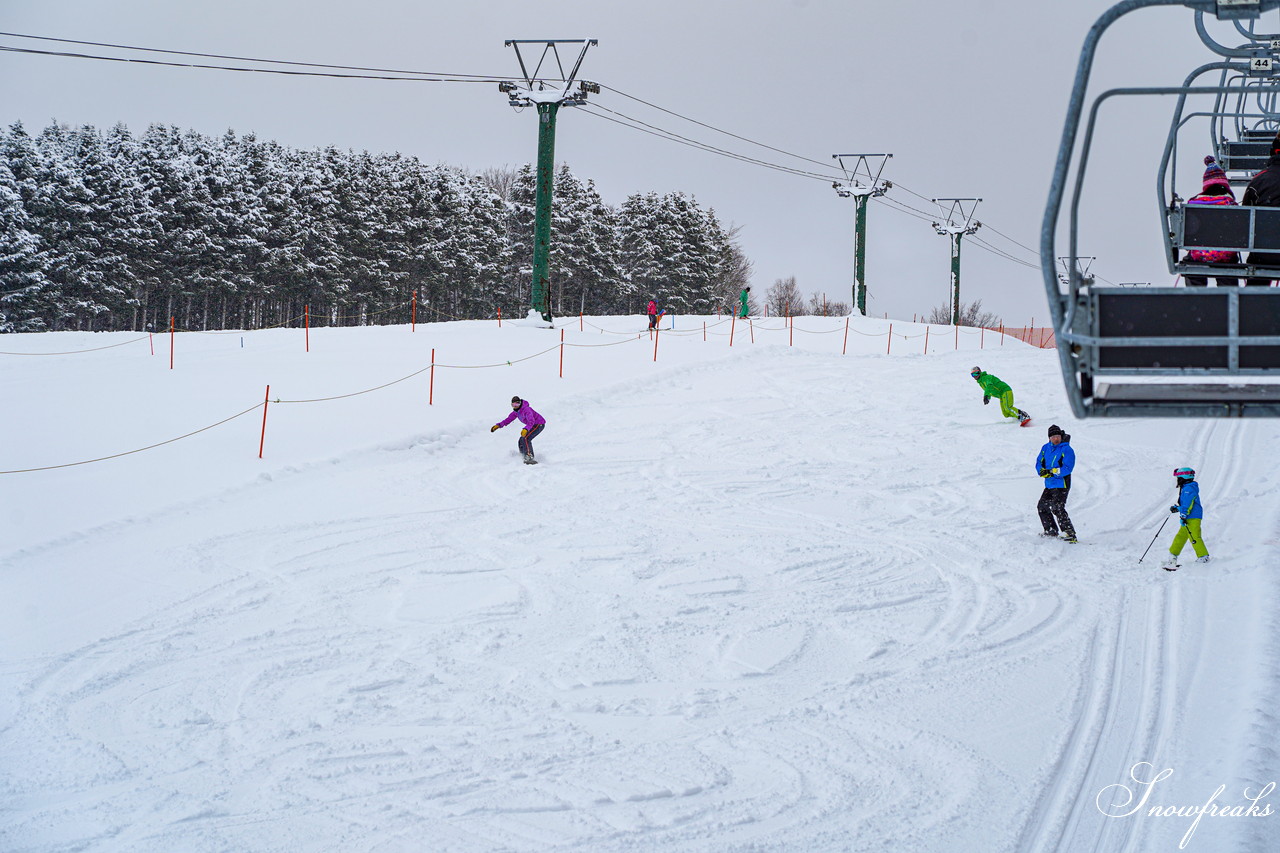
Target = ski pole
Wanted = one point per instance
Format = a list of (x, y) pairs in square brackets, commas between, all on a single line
[(1154, 538)]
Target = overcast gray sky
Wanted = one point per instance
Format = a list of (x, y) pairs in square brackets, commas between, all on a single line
[(968, 97)]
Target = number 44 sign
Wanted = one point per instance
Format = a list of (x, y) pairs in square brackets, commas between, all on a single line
[(1262, 63)]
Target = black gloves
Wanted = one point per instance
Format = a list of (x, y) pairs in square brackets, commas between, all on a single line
[(986, 398)]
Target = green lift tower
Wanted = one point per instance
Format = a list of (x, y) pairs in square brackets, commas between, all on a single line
[(548, 92)]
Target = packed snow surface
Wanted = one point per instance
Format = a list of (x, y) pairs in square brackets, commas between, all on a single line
[(767, 596)]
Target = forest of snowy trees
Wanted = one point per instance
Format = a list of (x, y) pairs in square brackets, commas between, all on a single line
[(108, 231)]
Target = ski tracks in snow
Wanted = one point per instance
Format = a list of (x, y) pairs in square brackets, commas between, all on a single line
[(1142, 648), (716, 619)]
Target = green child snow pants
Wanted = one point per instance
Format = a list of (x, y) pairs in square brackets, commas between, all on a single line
[(1189, 530)]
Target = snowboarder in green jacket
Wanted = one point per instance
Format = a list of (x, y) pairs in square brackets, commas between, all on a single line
[(992, 386), (743, 308)]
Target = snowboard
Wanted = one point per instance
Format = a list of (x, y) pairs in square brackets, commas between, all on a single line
[(1024, 422)]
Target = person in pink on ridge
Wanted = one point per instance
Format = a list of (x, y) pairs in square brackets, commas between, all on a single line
[(533, 424)]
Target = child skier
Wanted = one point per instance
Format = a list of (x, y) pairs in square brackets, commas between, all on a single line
[(1190, 511), (533, 424), (653, 314), (993, 387)]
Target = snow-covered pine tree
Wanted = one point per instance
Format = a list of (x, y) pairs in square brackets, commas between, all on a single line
[(520, 217), (22, 280), (586, 272), (672, 251)]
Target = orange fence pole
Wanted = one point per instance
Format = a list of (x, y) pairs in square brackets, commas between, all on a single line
[(266, 401), (704, 331), (845, 349), (752, 327), (657, 333), (957, 336), (733, 321), (889, 345), (926, 340)]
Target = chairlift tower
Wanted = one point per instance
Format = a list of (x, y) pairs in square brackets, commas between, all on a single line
[(854, 188), (548, 93), (957, 231), (1082, 265)]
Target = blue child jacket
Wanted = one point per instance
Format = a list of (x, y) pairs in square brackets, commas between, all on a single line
[(1189, 505)]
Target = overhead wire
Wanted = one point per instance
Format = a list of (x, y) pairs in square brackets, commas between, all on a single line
[(716, 129), (661, 133), (483, 78), (329, 74)]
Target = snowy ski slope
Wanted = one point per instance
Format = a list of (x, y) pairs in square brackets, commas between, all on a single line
[(759, 597)]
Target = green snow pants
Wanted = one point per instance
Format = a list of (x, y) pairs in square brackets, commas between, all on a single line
[(1189, 530), (1007, 408)]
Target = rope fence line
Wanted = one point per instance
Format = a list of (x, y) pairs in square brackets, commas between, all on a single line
[(78, 351), (282, 324), (1026, 334), (252, 408), (1038, 336)]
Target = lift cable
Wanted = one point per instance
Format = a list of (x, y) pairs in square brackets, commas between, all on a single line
[(478, 77)]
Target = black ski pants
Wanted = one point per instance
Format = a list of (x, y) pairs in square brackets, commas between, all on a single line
[(1053, 511), (526, 440)]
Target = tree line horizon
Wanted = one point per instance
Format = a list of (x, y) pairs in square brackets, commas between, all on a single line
[(108, 231)]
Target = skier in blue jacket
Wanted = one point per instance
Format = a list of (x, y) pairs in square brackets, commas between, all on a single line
[(1190, 511), (1055, 463)]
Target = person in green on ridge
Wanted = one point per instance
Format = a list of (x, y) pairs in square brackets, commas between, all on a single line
[(992, 386), (743, 308)]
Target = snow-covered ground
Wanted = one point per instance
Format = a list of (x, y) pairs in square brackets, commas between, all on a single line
[(759, 597)]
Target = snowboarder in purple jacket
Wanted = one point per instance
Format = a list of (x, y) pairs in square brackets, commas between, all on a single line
[(533, 424)]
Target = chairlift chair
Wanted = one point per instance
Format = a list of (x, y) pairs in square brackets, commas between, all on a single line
[(1166, 351)]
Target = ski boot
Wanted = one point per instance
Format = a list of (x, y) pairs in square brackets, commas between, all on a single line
[(1203, 559), (529, 460), (1070, 538), (1170, 563), (1023, 418)]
